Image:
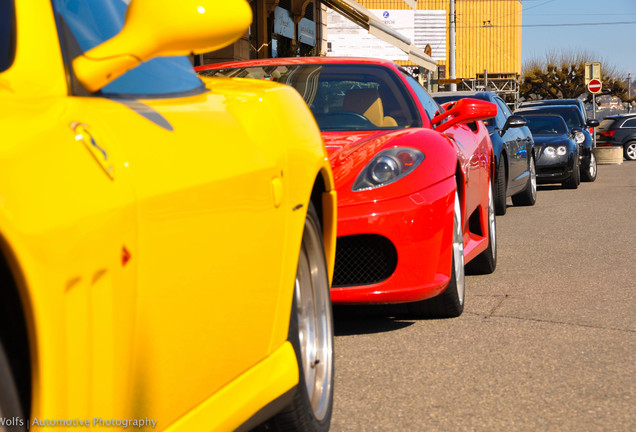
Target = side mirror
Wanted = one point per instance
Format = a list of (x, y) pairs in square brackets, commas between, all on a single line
[(592, 123), (514, 121), (464, 111), (163, 28)]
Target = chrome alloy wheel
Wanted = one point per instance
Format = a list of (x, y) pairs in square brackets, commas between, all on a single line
[(458, 247), (592, 168), (533, 180), (630, 150), (492, 228), (315, 323)]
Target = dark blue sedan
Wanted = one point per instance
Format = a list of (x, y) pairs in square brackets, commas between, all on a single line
[(556, 152), (512, 144)]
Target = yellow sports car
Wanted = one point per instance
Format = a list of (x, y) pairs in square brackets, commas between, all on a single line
[(166, 244)]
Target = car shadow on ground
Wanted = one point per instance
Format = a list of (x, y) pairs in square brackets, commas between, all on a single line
[(549, 187), (370, 319)]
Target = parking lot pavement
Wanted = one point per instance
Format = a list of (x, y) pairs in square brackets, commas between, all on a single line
[(546, 343)]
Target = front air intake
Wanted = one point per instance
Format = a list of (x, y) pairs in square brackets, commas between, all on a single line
[(363, 259)]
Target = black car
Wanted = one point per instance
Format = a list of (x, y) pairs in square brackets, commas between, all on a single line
[(619, 130), (556, 151), (512, 143), (578, 127), (576, 102)]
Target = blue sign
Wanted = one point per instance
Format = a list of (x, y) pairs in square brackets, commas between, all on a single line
[(385, 14), (283, 23), (307, 32)]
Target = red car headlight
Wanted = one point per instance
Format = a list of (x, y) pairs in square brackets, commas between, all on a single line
[(387, 167)]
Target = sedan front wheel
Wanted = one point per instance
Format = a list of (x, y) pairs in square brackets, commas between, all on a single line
[(588, 173), (528, 196)]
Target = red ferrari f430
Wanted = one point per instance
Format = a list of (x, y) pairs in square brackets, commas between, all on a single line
[(414, 181)]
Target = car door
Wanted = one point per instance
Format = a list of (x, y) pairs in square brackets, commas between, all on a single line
[(208, 183), (210, 247), (81, 223), (206, 254), (516, 148)]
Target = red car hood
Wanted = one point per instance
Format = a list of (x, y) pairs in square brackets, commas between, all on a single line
[(349, 152)]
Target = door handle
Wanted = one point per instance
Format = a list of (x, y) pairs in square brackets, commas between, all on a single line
[(83, 135)]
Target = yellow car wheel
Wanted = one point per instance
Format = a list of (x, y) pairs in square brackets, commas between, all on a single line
[(311, 334), (9, 402)]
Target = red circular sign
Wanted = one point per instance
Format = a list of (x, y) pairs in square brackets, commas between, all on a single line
[(594, 86)]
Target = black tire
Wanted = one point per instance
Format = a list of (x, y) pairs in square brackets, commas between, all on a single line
[(10, 409), (575, 179), (501, 187), (311, 334), (629, 151), (588, 173), (528, 196), (486, 262), (450, 303)]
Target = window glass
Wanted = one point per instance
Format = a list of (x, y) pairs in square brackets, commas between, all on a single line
[(500, 118), (7, 34), (546, 125), (93, 22), (342, 97), (605, 124), (430, 106), (631, 123), (572, 116), (503, 107)]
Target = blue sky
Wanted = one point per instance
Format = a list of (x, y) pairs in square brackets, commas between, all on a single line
[(577, 25)]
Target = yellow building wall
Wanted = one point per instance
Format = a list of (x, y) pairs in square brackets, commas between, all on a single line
[(488, 33)]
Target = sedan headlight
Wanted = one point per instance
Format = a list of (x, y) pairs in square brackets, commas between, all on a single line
[(579, 137), (555, 151), (388, 166)]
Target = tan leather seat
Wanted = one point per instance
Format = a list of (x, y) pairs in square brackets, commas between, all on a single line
[(368, 103)]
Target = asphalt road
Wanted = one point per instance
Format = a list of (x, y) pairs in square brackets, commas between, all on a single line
[(546, 343)]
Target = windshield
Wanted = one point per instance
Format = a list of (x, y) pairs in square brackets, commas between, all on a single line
[(93, 22), (571, 116), (546, 125), (345, 97)]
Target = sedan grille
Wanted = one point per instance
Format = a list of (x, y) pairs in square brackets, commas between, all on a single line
[(363, 260)]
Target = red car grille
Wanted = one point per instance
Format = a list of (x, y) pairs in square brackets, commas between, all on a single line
[(363, 260)]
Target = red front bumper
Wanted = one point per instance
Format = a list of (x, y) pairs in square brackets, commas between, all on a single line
[(420, 228)]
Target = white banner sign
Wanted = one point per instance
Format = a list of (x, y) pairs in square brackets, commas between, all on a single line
[(422, 27)]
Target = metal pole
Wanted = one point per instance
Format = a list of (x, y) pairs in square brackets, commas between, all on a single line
[(594, 117), (629, 90), (451, 54)]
